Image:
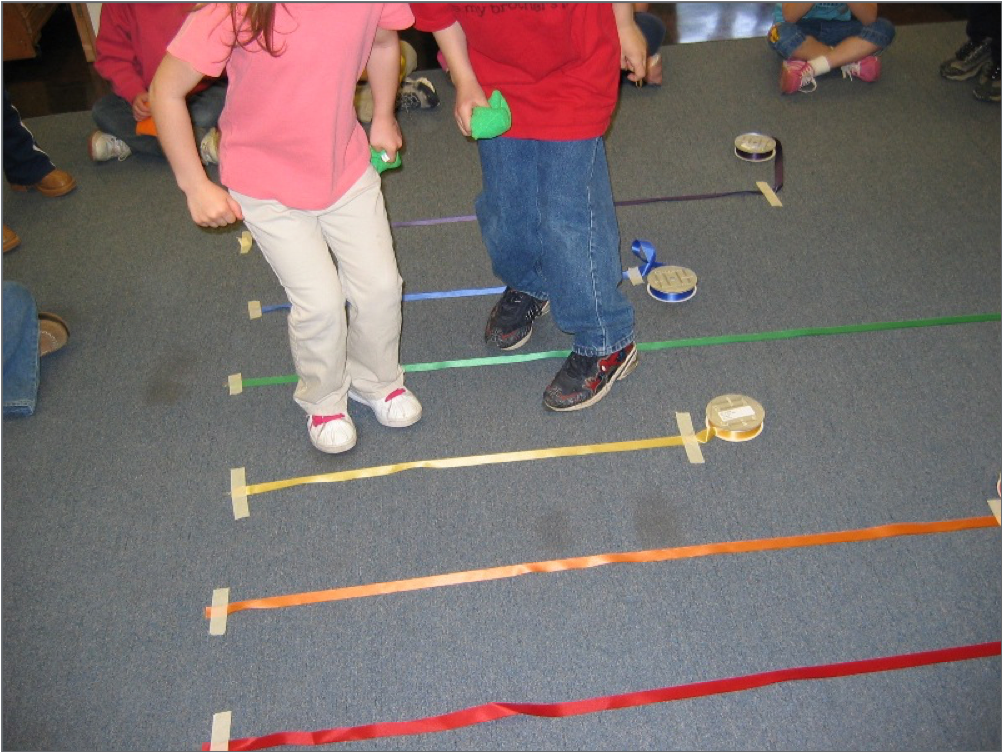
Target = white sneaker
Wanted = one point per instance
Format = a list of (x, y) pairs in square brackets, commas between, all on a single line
[(104, 146), (332, 434), (397, 409), (208, 150)]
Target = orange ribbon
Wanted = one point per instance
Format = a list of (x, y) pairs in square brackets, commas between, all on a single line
[(634, 557)]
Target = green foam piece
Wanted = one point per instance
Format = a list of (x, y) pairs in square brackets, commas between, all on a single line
[(491, 121), (379, 164)]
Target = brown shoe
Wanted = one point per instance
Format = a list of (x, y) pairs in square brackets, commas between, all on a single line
[(56, 183), (10, 239), (52, 333)]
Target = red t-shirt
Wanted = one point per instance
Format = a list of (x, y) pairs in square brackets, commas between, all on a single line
[(556, 64)]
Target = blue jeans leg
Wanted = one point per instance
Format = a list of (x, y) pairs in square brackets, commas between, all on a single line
[(20, 350), (113, 115), (548, 220), (206, 106)]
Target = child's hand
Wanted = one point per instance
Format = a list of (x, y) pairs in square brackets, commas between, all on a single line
[(141, 106), (385, 135), (211, 206), (469, 94), (633, 54)]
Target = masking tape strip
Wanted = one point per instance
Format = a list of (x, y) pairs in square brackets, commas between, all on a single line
[(769, 193), (254, 309), (220, 739), (634, 275), (218, 612), (475, 460), (634, 557), (689, 440), (495, 711), (994, 505), (245, 240), (725, 339), (235, 383), (238, 492)]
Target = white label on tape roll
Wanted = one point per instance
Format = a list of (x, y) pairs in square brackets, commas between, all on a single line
[(735, 413)]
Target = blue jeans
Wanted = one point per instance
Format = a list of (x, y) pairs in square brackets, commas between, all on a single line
[(20, 350), (786, 37), (113, 115), (548, 220)]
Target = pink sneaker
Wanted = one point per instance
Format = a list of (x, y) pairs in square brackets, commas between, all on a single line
[(867, 69), (797, 75)]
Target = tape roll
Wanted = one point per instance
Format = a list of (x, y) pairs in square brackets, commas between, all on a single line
[(755, 147), (734, 417), (671, 284)]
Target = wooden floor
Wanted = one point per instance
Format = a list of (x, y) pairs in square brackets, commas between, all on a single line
[(60, 79)]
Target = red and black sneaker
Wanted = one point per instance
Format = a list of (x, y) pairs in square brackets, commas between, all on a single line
[(584, 380), (510, 322)]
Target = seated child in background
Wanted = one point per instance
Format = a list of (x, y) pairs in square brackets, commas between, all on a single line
[(131, 41), (413, 94), (654, 31), (815, 38)]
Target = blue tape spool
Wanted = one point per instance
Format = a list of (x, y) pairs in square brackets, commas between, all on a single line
[(671, 284)]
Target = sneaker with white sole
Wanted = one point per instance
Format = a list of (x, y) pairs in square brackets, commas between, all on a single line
[(332, 434), (797, 75), (103, 146), (208, 149), (867, 69), (398, 409)]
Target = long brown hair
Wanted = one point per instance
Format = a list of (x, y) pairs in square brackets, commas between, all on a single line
[(260, 17)]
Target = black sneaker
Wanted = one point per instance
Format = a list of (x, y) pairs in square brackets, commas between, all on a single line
[(989, 85), (583, 381), (967, 61), (510, 323)]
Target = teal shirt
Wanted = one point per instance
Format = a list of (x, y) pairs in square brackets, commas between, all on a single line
[(818, 12)]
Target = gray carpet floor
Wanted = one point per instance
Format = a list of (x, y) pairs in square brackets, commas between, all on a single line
[(117, 522)]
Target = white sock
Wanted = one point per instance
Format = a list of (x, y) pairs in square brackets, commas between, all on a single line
[(820, 65)]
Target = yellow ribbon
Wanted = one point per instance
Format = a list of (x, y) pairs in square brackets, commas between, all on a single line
[(492, 459)]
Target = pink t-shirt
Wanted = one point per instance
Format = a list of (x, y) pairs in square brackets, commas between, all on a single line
[(289, 129)]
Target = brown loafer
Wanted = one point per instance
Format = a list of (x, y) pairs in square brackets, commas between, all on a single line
[(52, 333), (56, 183), (10, 239)]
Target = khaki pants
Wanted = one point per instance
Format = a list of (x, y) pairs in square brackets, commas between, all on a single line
[(334, 349)]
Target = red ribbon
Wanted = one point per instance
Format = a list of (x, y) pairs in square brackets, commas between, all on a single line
[(494, 711)]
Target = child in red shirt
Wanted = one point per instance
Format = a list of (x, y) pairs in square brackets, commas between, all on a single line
[(546, 211), (131, 41)]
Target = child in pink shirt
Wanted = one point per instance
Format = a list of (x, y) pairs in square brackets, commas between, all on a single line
[(296, 163)]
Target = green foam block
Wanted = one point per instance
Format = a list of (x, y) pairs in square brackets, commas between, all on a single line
[(491, 121), (379, 164)]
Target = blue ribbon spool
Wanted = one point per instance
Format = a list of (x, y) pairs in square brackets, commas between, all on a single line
[(670, 284)]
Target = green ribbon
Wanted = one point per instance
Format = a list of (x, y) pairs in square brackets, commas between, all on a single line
[(813, 331)]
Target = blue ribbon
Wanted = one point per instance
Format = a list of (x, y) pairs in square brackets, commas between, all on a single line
[(644, 250)]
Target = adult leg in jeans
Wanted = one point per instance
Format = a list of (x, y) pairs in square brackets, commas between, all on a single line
[(20, 350)]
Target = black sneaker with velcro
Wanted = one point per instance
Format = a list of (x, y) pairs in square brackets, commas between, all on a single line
[(510, 322), (584, 380)]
